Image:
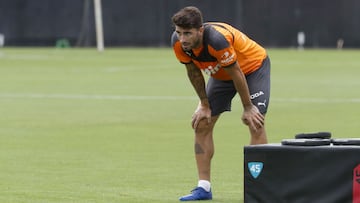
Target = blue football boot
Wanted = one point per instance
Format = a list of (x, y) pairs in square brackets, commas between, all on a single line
[(197, 194)]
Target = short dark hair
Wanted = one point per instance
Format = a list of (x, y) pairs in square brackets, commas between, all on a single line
[(188, 17)]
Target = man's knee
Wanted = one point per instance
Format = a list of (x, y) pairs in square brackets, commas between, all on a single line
[(205, 126)]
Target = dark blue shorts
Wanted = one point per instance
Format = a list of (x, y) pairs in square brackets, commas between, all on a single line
[(220, 93)]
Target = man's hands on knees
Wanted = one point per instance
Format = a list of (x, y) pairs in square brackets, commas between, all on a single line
[(202, 112), (253, 118)]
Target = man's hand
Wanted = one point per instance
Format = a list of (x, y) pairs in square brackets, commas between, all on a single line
[(253, 118), (202, 112), (251, 115)]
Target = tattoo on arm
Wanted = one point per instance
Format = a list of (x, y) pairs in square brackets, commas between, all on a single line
[(197, 80), (198, 149)]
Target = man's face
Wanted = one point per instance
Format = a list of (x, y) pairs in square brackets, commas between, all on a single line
[(189, 38)]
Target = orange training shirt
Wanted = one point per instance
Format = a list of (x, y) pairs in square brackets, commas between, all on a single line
[(223, 45)]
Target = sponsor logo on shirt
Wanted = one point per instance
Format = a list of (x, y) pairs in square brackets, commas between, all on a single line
[(210, 70), (227, 58)]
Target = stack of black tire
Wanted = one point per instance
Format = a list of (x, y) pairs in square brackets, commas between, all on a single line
[(319, 139)]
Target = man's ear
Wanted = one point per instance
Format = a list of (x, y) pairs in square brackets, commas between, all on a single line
[(201, 29)]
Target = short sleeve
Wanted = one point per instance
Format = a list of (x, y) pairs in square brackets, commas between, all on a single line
[(226, 56)]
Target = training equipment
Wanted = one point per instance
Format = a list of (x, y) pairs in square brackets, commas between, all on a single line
[(347, 141), (197, 194), (283, 173), (319, 135), (306, 142)]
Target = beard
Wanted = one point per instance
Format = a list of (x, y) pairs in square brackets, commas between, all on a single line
[(186, 46)]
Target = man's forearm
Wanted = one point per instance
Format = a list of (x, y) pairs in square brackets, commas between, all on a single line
[(243, 90), (240, 85), (198, 82)]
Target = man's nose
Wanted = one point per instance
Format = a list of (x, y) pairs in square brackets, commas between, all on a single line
[(181, 38)]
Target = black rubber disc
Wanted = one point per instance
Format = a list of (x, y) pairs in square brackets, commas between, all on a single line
[(346, 141), (318, 135), (306, 142)]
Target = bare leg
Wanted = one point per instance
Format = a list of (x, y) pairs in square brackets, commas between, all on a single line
[(204, 147), (258, 137)]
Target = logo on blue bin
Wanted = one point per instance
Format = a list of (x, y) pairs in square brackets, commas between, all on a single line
[(255, 168)]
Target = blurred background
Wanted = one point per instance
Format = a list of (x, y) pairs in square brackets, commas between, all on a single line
[(275, 23)]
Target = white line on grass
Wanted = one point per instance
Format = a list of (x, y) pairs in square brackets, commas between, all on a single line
[(316, 100), (95, 97), (144, 97)]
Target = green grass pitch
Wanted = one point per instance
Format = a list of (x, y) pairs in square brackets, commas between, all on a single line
[(77, 125)]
